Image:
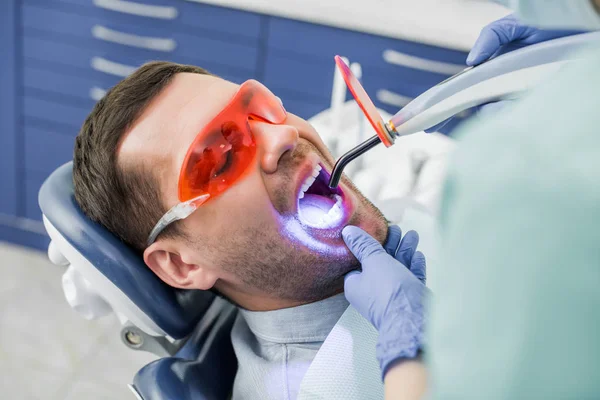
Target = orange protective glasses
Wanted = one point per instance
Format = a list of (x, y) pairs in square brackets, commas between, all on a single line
[(222, 151)]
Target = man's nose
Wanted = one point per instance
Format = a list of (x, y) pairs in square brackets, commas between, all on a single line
[(273, 141)]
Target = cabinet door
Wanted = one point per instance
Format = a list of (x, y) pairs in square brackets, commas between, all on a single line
[(8, 108)]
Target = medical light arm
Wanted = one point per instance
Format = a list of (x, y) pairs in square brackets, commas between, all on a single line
[(504, 77)]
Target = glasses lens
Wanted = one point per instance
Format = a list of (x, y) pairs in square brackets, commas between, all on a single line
[(218, 160), (222, 152)]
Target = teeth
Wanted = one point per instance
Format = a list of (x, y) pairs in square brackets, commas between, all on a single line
[(316, 171), (310, 180), (307, 184), (334, 214)]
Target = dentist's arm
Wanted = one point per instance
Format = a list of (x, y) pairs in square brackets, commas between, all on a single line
[(390, 292), (406, 381)]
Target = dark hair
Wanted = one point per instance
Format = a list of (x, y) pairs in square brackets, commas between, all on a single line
[(123, 198)]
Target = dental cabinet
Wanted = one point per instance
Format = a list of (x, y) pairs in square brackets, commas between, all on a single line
[(60, 56)]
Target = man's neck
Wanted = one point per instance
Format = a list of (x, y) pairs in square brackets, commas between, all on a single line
[(264, 301), (310, 322)]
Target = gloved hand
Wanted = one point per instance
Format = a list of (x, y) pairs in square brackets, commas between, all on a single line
[(507, 34), (389, 291), (499, 37)]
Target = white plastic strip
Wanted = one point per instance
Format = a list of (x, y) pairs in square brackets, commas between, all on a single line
[(97, 93), (127, 39), (392, 99), (405, 60), (137, 394), (101, 64), (140, 9)]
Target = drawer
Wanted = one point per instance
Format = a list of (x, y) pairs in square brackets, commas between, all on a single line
[(46, 149), (302, 107), (86, 88), (121, 38), (90, 87), (316, 78), (70, 115), (175, 15), (300, 76), (323, 42), (53, 55), (33, 183)]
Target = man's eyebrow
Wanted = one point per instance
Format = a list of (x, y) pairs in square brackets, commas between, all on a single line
[(245, 99)]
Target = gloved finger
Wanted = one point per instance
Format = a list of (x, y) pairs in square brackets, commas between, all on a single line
[(492, 37), (352, 290), (418, 266), (361, 244), (541, 35), (407, 248), (393, 239), (439, 126), (485, 46)]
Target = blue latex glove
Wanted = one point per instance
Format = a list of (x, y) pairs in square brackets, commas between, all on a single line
[(507, 34), (499, 37), (389, 291)]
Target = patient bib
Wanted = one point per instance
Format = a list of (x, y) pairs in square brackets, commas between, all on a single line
[(345, 367)]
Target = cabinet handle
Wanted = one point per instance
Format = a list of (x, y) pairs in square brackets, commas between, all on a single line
[(101, 64), (405, 60), (97, 93), (127, 39), (392, 99), (142, 10)]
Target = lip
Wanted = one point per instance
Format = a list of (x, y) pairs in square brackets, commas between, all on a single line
[(306, 171)]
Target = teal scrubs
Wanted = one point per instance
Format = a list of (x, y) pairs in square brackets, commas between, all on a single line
[(517, 311)]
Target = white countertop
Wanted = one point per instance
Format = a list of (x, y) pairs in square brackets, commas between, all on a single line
[(446, 23)]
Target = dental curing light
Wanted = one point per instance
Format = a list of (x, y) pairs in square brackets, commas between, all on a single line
[(504, 77)]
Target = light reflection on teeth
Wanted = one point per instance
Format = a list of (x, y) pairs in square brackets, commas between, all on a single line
[(308, 183), (313, 211), (310, 180), (333, 215), (316, 171)]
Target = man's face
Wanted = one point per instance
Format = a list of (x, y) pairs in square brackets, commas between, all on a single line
[(259, 238)]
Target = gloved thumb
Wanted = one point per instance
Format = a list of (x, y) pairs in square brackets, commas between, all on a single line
[(361, 244), (352, 286)]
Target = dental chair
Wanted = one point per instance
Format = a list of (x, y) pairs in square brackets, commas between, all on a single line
[(188, 329)]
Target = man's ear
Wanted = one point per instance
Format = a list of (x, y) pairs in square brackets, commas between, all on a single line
[(172, 268)]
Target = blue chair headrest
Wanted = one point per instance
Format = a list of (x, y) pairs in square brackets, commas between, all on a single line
[(175, 311)]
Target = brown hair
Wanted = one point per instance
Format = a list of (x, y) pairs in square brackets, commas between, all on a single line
[(124, 199)]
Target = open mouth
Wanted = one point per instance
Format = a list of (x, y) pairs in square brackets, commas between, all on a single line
[(319, 205)]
